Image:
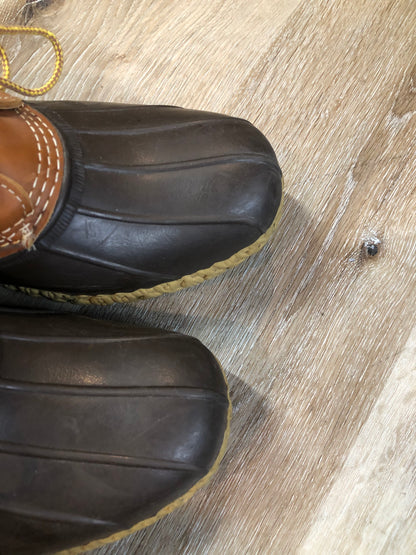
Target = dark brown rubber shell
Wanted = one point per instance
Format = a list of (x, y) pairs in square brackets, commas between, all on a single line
[(101, 426), (152, 194)]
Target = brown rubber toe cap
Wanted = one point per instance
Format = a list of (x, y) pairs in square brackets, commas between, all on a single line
[(103, 426), (153, 194)]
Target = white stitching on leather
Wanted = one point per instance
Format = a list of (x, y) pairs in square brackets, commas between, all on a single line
[(39, 123), (13, 226), (17, 197), (8, 238), (22, 113), (37, 126)]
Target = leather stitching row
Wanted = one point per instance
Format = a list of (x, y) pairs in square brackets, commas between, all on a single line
[(37, 126), (42, 127), (8, 239), (17, 197), (39, 150)]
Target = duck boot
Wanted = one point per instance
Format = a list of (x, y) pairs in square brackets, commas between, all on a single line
[(104, 428), (108, 202)]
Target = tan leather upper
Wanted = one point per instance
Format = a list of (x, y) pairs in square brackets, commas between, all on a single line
[(7, 101), (31, 174)]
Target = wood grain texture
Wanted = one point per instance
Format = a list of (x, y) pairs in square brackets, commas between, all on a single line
[(318, 338)]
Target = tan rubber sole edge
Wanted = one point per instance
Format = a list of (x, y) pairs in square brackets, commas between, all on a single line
[(168, 287), (172, 506)]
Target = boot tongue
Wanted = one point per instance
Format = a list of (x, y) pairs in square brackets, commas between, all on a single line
[(31, 173)]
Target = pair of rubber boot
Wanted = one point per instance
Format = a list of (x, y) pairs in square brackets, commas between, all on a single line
[(105, 428)]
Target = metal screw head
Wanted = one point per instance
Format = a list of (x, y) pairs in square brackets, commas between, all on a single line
[(371, 246), (372, 249)]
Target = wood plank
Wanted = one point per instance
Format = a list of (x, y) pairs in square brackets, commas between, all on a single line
[(357, 513), (315, 335)]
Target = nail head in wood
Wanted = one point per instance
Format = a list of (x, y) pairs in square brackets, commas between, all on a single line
[(371, 247)]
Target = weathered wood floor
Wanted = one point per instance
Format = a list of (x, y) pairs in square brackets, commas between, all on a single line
[(318, 339)]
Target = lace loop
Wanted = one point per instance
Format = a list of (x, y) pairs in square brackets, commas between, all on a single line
[(6, 83)]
